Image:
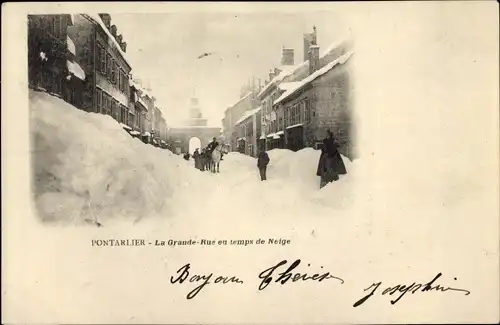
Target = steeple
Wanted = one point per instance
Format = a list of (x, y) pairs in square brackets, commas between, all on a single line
[(195, 115)]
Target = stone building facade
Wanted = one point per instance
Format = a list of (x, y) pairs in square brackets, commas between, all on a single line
[(233, 114), (323, 101), (248, 129), (102, 53), (300, 102), (53, 65)]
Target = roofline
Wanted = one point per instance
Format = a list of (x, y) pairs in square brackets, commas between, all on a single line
[(299, 90), (92, 20), (267, 89), (296, 93)]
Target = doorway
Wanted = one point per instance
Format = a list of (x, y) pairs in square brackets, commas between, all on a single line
[(194, 143)]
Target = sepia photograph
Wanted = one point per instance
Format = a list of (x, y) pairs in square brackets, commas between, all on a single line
[(250, 163), (212, 108)]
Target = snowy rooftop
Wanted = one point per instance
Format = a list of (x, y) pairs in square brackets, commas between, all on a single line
[(285, 72), (248, 114), (139, 87), (288, 85), (239, 100), (290, 70), (141, 101), (95, 17), (341, 60)]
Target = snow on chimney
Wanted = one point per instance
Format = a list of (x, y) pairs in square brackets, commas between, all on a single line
[(313, 58), (119, 38), (309, 39), (271, 75), (287, 57), (113, 30), (124, 46)]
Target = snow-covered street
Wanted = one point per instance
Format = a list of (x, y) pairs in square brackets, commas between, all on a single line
[(87, 168)]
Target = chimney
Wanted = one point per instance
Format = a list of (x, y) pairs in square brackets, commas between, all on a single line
[(287, 57), (309, 39), (313, 58), (276, 71), (123, 46), (271, 75), (119, 38), (106, 19), (113, 30)]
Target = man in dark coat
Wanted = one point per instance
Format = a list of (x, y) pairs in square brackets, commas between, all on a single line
[(212, 145), (330, 164), (262, 162)]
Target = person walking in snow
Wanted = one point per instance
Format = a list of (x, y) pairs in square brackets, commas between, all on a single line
[(330, 164), (262, 162), (197, 160)]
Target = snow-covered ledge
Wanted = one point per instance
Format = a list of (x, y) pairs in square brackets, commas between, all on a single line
[(70, 45), (294, 126), (76, 70)]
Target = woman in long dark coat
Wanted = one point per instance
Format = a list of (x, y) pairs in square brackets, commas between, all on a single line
[(330, 164), (197, 159)]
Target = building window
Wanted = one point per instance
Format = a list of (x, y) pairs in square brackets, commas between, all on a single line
[(98, 101), (57, 81), (109, 106), (124, 83), (113, 72), (307, 110), (58, 26), (104, 103), (124, 115), (88, 55), (131, 120), (114, 109), (295, 117), (120, 82), (109, 66), (117, 73), (302, 108), (101, 54)]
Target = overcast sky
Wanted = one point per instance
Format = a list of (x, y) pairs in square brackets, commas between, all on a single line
[(163, 49)]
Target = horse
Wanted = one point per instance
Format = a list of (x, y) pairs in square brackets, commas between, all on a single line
[(216, 156)]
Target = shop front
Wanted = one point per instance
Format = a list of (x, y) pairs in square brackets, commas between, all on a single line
[(295, 137)]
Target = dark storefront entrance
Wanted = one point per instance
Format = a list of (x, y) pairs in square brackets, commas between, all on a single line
[(295, 138)]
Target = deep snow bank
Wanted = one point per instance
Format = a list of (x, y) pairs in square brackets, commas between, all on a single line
[(292, 177), (300, 168), (86, 167)]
